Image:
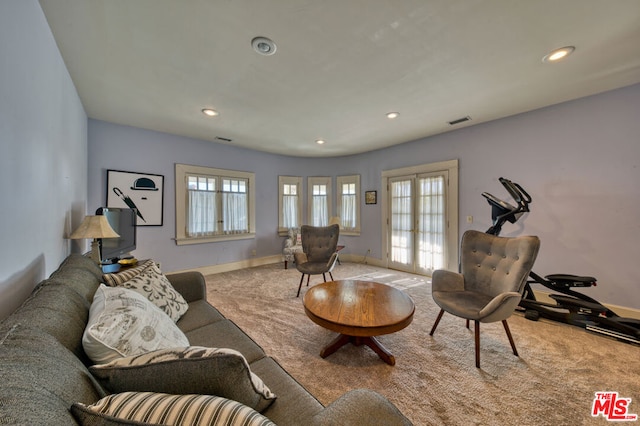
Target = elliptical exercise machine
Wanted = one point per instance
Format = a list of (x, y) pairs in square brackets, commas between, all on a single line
[(571, 307)]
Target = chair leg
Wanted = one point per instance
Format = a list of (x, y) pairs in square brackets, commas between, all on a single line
[(331, 275), (300, 286), (476, 326), (285, 264), (433, 329), (467, 323), (308, 278), (324, 277), (513, 345)]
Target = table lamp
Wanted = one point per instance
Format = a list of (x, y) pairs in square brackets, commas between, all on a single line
[(335, 220), (94, 227)]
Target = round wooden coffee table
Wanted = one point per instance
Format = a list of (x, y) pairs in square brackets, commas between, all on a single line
[(359, 311)]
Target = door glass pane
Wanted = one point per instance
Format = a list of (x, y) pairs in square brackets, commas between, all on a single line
[(431, 222), (401, 222)]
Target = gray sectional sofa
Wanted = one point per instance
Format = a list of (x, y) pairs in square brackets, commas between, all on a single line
[(45, 370)]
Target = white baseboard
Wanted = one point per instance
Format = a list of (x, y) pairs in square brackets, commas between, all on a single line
[(355, 258), (233, 266)]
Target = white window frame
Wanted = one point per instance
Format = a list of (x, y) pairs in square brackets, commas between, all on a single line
[(184, 170), (318, 180), (340, 181), (289, 180)]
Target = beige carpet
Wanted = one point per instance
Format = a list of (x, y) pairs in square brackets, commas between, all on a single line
[(434, 381)]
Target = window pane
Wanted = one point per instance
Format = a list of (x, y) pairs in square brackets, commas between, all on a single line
[(201, 206), (431, 222)]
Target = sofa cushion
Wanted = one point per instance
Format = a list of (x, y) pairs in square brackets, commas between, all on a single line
[(163, 409), (123, 323), (40, 378), (120, 277), (226, 334), (80, 273), (151, 283), (200, 313), (196, 369), (75, 262), (295, 405), (58, 310)]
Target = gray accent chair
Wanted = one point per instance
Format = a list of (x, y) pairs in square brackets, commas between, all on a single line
[(494, 271), (319, 254)]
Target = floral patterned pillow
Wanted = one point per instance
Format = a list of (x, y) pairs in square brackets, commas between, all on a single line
[(154, 285)]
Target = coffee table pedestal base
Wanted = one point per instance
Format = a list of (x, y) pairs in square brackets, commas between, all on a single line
[(372, 342)]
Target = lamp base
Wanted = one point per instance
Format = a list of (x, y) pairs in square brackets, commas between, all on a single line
[(95, 251)]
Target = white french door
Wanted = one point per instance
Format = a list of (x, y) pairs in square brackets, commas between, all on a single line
[(417, 222)]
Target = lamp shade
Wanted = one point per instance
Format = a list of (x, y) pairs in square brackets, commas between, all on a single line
[(335, 220), (94, 227)]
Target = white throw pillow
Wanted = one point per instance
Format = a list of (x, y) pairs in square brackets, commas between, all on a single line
[(154, 285), (123, 323)]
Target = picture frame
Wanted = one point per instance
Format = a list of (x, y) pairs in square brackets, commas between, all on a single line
[(371, 197), (142, 191)]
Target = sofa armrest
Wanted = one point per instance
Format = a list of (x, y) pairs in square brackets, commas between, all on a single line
[(360, 406), (191, 285)]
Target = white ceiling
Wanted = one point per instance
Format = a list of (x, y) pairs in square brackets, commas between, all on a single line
[(340, 65)]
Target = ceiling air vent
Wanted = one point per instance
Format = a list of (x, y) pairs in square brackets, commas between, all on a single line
[(459, 120), (221, 139)]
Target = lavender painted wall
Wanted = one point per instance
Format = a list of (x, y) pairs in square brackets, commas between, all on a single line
[(579, 161), (43, 165)]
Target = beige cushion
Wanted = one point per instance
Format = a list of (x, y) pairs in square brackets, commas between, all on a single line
[(151, 283), (123, 323), (170, 410), (196, 370)]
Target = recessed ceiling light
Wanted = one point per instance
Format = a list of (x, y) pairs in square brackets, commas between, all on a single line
[(392, 115), (320, 141), (264, 46), (558, 54), (210, 112)]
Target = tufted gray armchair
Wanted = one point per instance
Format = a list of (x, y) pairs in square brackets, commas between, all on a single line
[(319, 254), (494, 272)]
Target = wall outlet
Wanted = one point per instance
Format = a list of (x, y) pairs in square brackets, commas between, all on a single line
[(469, 219), (253, 252)]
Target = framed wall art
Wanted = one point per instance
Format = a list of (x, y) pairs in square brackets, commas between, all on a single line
[(371, 197), (141, 191)]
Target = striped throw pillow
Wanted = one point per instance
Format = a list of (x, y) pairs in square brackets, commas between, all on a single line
[(121, 277), (170, 410)]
